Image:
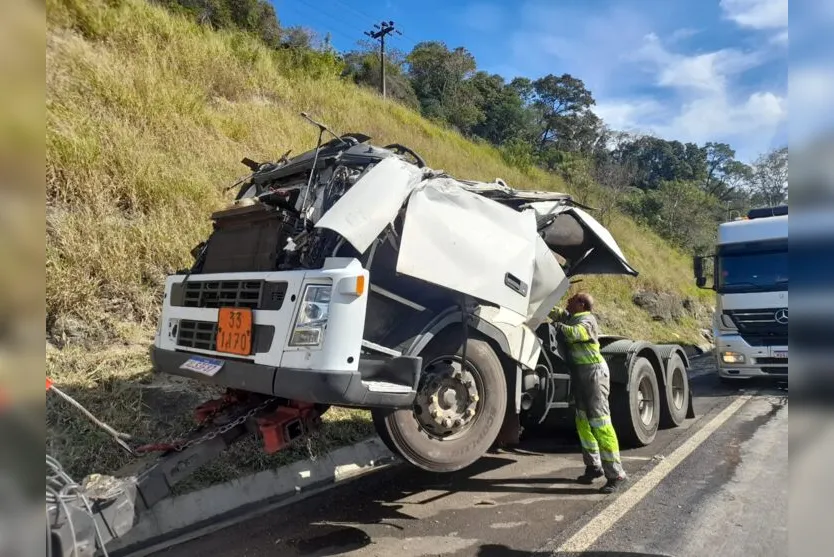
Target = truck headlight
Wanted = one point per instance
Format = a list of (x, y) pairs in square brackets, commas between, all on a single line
[(732, 358), (311, 320)]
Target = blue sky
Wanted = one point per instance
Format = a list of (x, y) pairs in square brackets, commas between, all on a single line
[(692, 70)]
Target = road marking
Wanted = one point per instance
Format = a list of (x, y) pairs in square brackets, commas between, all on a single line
[(590, 533)]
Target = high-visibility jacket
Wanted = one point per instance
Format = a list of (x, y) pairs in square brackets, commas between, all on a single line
[(581, 332)]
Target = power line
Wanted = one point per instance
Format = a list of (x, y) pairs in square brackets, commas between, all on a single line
[(369, 19), (317, 11), (386, 28)]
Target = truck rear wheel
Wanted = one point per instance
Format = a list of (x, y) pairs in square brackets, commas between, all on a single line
[(675, 399), (457, 413), (636, 411)]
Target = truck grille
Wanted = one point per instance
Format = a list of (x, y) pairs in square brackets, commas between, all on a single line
[(253, 294), (202, 335), (227, 293), (758, 327)]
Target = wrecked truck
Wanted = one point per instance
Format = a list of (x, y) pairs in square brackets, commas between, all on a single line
[(354, 275)]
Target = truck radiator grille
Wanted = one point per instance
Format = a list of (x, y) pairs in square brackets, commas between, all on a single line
[(202, 335), (759, 327), (253, 294)]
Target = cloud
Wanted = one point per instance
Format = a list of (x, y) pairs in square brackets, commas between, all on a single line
[(708, 71), (682, 34), (757, 14), (650, 72), (706, 102)]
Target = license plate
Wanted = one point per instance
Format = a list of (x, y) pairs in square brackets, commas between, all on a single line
[(780, 354), (205, 366), (234, 331)]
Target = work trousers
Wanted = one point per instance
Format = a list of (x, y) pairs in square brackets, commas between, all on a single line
[(593, 420)]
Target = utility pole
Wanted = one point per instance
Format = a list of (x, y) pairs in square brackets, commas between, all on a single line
[(385, 28)]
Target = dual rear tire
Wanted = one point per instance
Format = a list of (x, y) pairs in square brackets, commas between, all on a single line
[(643, 407)]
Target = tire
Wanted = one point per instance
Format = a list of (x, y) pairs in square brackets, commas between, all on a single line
[(674, 403), (633, 428), (404, 431)]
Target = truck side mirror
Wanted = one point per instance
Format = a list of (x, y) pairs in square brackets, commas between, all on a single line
[(698, 269)]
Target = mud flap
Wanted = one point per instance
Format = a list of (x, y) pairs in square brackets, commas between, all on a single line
[(690, 412)]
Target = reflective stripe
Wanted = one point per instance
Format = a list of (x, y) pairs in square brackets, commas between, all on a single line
[(600, 422), (586, 435), (609, 457), (607, 438)]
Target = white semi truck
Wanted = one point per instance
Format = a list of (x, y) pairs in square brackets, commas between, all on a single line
[(354, 275), (750, 279)]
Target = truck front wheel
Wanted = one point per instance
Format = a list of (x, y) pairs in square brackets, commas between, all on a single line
[(458, 410)]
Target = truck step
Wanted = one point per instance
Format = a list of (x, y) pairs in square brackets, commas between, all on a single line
[(385, 387)]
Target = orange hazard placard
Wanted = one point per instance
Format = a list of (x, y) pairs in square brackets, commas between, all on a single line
[(234, 331)]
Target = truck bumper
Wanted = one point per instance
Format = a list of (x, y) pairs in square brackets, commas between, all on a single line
[(759, 361), (386, 383)]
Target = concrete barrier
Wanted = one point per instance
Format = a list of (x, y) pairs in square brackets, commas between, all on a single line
[(184, 517)]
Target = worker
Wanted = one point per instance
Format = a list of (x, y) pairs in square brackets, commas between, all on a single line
[(600, 449)]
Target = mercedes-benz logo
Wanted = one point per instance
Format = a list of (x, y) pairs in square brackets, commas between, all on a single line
[(781, 316)]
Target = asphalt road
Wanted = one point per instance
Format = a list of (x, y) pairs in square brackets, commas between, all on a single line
[(716, 486)]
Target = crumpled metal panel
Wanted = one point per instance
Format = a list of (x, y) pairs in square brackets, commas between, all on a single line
[(468, 243), (372, 203)]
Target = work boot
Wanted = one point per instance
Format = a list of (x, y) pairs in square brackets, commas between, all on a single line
[(591, 473), (613, 484)]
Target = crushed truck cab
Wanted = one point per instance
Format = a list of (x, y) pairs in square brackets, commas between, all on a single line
[(355, 275)]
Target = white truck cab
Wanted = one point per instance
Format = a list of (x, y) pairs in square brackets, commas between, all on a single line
[(750, 279)]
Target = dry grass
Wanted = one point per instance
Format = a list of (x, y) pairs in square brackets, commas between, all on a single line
[(148, 116)]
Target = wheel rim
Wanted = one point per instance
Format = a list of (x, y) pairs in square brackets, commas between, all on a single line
[(645, 401), (678, 388), (448, 398)]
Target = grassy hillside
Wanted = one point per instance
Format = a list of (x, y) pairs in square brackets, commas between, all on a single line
[(148, 116)]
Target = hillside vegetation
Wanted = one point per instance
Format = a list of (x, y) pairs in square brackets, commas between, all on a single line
[(148, 116)]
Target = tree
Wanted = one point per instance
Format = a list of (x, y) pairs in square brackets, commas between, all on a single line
[(769, 180), (725, 175), (658, 160), (563, 105), (362, 66), (439, 78), (679, 211), (505, 117)]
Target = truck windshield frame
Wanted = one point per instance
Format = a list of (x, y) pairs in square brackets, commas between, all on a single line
[(760, 266)]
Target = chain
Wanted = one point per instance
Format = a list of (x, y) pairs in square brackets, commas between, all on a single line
[(179, 447), (224, 428)]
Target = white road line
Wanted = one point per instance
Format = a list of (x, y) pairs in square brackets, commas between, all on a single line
[(591, 532)]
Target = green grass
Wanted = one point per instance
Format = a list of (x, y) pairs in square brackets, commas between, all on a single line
[(148, 116)]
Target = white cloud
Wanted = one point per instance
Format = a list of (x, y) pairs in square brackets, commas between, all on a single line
[(757, 14), (705, 103), (708, 72), (683, 34), (647, 84)]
